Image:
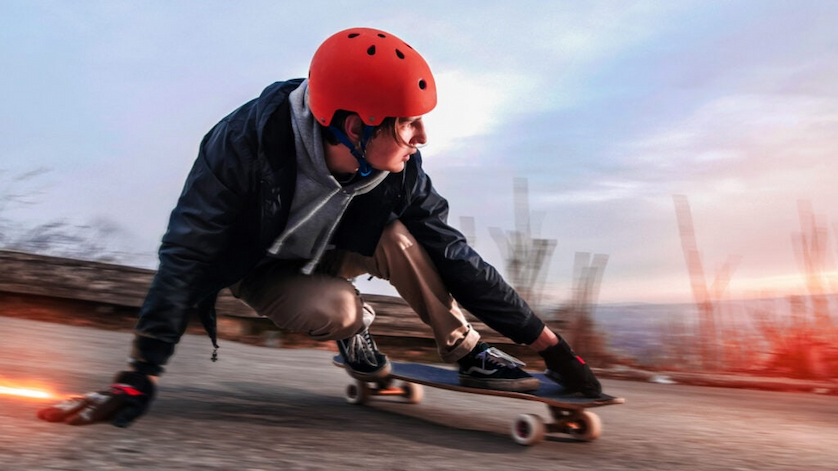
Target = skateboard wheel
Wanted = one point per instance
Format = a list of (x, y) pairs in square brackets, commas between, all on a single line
[(584, 426), (413, 392), (357, 392), (528, 429)]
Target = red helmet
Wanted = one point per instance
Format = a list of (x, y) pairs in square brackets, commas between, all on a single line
[(369, 72)]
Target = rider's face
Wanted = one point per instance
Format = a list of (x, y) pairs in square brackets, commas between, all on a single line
[(385, 153)]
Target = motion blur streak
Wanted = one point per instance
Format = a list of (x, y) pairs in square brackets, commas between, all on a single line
[(32, 393)]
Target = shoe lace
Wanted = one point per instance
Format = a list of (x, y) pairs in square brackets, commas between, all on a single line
[(361, 348), (497, 357)]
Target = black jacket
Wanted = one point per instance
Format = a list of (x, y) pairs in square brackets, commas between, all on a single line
[(235, 203)]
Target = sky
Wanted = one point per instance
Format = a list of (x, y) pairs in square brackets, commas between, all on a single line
[(607, 109)]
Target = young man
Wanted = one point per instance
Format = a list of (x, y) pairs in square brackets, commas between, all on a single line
[(296, 192)]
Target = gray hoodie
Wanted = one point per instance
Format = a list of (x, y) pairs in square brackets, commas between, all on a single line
[(319, 199)]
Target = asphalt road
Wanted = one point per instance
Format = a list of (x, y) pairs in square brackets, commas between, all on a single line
[(262, 408)]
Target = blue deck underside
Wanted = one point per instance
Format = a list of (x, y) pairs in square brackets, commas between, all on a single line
[(449, 377)]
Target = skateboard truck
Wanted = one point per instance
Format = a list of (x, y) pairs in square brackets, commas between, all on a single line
[(582, 425), (360, 391)]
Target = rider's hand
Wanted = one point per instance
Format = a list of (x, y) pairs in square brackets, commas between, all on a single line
[(126, 399)]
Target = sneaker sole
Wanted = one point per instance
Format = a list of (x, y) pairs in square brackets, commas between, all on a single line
[(511, 385), (380, 373)]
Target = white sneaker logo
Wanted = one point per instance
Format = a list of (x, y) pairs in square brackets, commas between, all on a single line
[(477, 369)]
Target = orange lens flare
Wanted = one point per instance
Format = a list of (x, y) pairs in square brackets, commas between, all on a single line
[(33, 393), (29, 389)]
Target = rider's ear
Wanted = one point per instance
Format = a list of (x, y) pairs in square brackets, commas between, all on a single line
[(354, 127)]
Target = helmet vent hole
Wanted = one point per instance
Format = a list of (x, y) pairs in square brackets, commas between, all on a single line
[(354, 35), (422, 84), (381, 35), (400, 54), (371, 50)]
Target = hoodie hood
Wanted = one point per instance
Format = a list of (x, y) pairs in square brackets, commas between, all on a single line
[(319, 199)]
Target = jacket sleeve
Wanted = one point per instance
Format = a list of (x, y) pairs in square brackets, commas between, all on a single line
[(198, 231), (474, 283)]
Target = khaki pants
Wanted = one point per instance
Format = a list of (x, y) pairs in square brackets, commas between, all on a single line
[(328, 307)]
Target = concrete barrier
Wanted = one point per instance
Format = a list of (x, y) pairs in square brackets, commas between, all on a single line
[(117, 285)]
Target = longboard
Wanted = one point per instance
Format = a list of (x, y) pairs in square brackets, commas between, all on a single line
[(568, 411)]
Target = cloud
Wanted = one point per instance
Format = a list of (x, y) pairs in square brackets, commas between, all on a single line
[(746, 137), (469, 104), (501, 64), (596, 192)]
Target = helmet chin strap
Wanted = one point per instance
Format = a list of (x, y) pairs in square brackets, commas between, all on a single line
[(360, 154)]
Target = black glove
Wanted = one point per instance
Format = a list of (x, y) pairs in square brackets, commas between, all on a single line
[(127, 399), (567, 368)]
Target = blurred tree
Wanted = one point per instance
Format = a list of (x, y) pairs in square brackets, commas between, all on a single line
[(706, 298), (15, 191), (97, 241), (527, 258)]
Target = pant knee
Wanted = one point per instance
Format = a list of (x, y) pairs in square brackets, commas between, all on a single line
[(338, 317), (393, 247), (396, 235)]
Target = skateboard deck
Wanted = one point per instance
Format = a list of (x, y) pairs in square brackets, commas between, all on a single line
[(567, 410)]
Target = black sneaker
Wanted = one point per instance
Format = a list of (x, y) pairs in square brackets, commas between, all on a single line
[(567, 368), (487, 367), (362, 359)]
